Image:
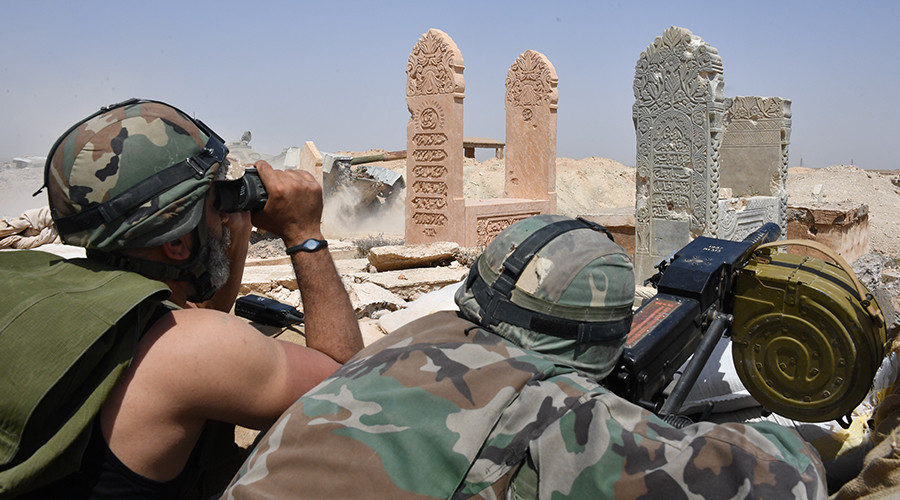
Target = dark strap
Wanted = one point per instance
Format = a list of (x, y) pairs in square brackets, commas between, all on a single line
[(153, 269), (124, 203), (495, 299), (500, 308), (522, 255)]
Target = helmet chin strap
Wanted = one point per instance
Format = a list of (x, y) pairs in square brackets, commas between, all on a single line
[(193, 271), (198, 273)]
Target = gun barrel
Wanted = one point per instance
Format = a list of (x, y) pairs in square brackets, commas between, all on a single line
[(387, 156), (767, 233)]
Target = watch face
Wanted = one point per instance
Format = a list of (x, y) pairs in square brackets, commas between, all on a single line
[(312, 245)]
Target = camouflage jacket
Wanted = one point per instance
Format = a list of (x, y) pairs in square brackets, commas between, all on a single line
[(444, 409)]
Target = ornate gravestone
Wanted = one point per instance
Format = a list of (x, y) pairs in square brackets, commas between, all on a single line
[(691, 142), (435, 207), (754, 164), (678, 109), (435, 89), (531, 103)]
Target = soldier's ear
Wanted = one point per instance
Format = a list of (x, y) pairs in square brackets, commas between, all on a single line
[(178, 249)]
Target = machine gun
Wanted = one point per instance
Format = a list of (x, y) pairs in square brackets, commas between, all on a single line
[(807, 337)]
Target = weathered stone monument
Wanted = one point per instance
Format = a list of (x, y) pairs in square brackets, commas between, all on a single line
[(706, 165), (435, 207), (435, 90), (678, 111), (531, 102), (753, 163)]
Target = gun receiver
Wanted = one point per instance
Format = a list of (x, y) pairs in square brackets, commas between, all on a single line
[(693, 307)]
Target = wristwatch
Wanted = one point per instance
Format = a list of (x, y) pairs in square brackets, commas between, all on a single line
[(310, 245)]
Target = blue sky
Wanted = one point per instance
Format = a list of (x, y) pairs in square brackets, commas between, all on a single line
[(334, 72)]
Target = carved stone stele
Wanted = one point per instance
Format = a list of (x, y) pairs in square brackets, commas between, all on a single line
[(677, 113), (435, 90), (531, 104), (754, 154)]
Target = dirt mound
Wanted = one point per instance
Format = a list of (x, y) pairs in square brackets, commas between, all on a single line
[(841, 183)]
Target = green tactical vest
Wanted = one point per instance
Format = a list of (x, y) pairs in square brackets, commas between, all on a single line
[(68, 330)]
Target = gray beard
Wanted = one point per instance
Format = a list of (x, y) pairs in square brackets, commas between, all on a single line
[(217, 264)]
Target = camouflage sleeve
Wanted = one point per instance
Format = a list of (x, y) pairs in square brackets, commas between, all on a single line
[(609, 448), (454, 413)]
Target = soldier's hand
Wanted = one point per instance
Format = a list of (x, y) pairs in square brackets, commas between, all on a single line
[(294, 208)]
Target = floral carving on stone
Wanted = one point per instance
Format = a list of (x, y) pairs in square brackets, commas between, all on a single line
[(487, 228), (755, 108), (435, 66), (532, 81)]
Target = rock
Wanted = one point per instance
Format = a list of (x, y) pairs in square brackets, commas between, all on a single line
[(262, 278), (287, 296), (818, 194), (869, 269), (368, 298), (889, 310), (394, 257), (410, 284)]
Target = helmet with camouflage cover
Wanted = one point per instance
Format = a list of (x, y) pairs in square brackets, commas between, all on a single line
[(555, 285), (131, 175), (134, 175)]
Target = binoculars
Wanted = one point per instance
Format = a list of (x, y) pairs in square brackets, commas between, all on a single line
[(246, 193)]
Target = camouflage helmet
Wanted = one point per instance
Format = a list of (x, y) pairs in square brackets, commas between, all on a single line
[(132, 175), (556, 285)]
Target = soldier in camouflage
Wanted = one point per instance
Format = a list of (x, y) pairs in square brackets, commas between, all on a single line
[(135, 185), (502, 400)]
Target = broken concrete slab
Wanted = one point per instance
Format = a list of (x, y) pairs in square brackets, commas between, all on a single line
[(342, 249), (411, 284), (311, 160), (349, 266), (394, 257), (369, 298), (370, 330), (268, 261), (261, 277), (830, 214), (339, 250)]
